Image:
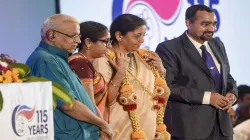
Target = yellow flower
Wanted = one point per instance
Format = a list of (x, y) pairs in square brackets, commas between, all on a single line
[(1, 78), (126, 88)]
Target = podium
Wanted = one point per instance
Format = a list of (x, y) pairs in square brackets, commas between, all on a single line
[(27, 112)]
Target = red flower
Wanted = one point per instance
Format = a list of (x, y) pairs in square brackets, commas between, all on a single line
[(161, 100), (130, 107), (156, 107)]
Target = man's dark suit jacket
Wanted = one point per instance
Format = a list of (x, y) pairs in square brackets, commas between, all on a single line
[(188, 78)]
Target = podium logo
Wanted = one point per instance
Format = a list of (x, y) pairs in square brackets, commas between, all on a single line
[(21, 115), (157, 14)]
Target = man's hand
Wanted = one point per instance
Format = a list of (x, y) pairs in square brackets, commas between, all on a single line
[(231, 98), (218, 100)]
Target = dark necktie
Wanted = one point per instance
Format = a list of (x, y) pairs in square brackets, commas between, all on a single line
[(208, 59)]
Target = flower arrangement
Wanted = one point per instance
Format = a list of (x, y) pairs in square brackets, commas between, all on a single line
[(13, 72), (6, 58), (8, 74)]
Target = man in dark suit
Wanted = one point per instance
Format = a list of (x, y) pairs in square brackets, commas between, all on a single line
[(202, 88)]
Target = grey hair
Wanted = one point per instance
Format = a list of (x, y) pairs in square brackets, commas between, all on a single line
[(54, 21)]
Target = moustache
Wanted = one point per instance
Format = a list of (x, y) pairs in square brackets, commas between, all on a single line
[(209, 32)]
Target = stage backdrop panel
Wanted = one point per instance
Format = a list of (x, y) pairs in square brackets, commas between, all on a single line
[(166, 20)]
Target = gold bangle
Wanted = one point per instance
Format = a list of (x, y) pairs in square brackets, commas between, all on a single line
[(111, 82)]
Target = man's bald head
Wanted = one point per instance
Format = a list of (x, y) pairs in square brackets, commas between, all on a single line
[(55, 22)]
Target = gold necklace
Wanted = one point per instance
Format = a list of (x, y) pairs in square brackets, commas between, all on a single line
[(82, 55), (141, 84)]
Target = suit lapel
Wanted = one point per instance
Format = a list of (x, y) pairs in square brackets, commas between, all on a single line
[(216, 52), (194, 54)]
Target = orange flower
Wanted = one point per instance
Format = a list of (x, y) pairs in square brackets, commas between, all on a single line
[(161, 128), (16, 79), (6, 81), (8, 77), (15, 74), (15, 71), (8, 72), (126, 88), (1, 78), (142, 51), (160, 82), (138, 135)]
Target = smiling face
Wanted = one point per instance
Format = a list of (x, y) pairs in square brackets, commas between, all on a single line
[(202, 27), (132, 40)]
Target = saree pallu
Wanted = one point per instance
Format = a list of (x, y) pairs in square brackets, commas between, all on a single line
[(87, 74), (119, 119)]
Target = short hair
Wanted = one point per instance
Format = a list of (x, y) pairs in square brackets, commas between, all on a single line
[(54, 21), (192, 10), (92, 30), (243, 90), (125, 23)]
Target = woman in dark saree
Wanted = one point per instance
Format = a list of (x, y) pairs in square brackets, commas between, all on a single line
[(95, 38)]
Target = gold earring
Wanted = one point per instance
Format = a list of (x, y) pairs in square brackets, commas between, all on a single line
[(88, 47)]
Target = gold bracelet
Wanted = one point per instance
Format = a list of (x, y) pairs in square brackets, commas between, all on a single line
[(111, 82)]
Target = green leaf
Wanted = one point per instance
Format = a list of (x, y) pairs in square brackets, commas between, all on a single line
[(34, 79), (54, 102), (22, 68), (60, 93)]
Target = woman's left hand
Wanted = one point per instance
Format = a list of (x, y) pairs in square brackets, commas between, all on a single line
[(155, 60)]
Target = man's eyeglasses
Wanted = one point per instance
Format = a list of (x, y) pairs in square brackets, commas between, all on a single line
[(76, 38), (107, 42)]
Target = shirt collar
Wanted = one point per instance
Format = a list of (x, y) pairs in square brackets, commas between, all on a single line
[(54, 50), (195, 43)]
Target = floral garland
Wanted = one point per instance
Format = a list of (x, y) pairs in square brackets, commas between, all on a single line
[(128, 99)]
